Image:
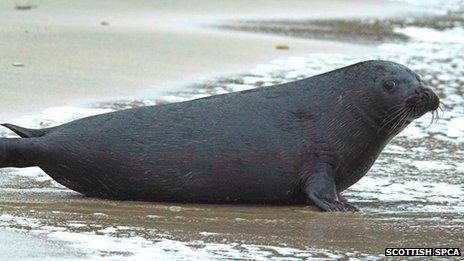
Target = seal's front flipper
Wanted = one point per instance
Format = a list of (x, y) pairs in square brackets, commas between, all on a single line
[(352, 207), (319, 186)]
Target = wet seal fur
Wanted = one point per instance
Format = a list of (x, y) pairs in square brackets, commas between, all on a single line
[(294, 143)]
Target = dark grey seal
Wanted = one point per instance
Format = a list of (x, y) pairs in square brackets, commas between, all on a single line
[(299, 142)]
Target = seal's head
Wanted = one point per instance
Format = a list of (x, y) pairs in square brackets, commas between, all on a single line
[(399, 95)]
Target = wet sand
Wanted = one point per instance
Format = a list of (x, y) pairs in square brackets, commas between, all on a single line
[(20, 246), (59, 53), (95, 224)]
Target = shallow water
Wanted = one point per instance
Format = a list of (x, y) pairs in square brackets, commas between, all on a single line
[(412, 197)]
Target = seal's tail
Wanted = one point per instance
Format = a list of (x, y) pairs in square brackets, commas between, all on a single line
[(18, 152), (26, 133)]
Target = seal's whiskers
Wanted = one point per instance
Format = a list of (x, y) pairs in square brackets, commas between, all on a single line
[(402, 120), (398, 114), (390, 118)]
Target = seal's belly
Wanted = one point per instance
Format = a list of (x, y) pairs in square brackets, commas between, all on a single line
[(191, 173), (193, 186)]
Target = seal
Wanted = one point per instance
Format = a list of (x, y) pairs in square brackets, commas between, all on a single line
[(295, 143)]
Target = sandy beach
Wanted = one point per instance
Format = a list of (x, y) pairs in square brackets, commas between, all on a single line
[(61, 53), (63, 60)]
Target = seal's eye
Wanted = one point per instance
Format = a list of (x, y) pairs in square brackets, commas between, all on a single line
[(389, 85)]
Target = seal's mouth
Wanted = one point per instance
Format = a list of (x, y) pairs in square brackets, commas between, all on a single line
[(423, 100)]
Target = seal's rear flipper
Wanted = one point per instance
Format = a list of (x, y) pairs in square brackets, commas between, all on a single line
[(26, 133), (19, 153)]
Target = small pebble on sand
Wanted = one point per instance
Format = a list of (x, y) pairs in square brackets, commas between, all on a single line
[(18, 64), (25, 7), (104, 23), (282, 47)]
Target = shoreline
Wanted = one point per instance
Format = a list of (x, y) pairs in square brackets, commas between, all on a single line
[(66, 58)]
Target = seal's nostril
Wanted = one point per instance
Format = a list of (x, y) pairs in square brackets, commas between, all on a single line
[(411, 101), (427, 94), (435, 102)]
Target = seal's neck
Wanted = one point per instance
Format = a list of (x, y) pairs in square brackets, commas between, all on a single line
[(363, 110)]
